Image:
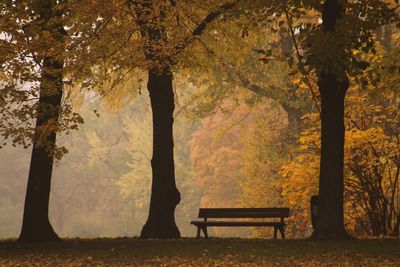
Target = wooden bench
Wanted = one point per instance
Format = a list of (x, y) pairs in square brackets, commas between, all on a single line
[(240, 213)]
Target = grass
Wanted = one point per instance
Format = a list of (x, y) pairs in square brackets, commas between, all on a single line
[(192, 252)]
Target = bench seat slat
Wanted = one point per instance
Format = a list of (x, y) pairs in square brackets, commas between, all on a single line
[(244, 209), (236, 223), (244, 212), (243, 215)]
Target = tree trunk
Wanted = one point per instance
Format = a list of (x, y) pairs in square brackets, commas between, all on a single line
[(330, 221), (164, 194), (36, 226)]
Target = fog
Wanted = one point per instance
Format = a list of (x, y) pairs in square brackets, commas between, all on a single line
[(101, 188)]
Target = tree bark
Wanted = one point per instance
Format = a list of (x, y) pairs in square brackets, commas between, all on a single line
[(330, 222), (332, 88), (36, 226), (164, 194)]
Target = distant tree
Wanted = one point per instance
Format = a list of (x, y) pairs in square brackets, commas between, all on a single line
[(215, 154), (135, 183), (12, 190), (255, 61), (266, 149)]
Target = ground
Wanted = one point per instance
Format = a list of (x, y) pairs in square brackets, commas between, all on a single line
[(192, 252)]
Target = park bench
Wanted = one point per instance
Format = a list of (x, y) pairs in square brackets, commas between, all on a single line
[(242, 213)]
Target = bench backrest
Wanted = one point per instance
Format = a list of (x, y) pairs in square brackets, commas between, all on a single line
[(244, 213)]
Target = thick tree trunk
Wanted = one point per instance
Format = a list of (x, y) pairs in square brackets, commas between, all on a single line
[(36, 226), (330, 222), (164, 194)]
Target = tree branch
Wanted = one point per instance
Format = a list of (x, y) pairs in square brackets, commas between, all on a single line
[(203, 25), (299, 57)]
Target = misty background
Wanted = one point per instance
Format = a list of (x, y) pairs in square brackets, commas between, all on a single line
[(101, 188)]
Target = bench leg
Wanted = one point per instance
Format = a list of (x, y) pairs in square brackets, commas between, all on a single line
[(282, 230), (205, 231), (275, 232), (198, 232)]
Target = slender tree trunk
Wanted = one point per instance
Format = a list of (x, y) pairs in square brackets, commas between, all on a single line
[(330, 221), (36, 226), (164, 194)]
